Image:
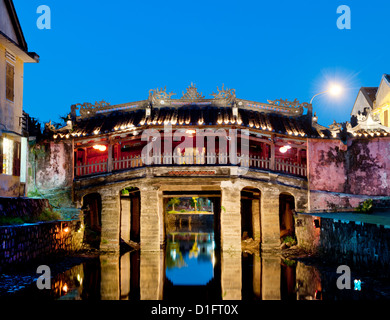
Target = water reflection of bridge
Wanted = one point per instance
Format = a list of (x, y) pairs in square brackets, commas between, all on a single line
[(141, 275), (230, 283)]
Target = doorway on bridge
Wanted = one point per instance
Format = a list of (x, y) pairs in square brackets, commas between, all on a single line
[(130, 199), (92, 209), (192, 211), (286, 217), (250, 214)]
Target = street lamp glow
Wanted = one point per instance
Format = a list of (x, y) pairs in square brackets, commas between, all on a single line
[(335, 90)]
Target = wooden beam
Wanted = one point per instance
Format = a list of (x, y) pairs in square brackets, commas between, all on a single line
[(192, 195)]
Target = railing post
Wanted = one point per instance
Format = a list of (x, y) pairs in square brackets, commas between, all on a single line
[(272, 159), (109, 159)]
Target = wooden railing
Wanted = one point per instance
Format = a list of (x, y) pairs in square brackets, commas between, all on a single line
[(138, 161), (91, 168)]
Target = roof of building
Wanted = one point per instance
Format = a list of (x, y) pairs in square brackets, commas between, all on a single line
[(370, 94), (193, 110), (19, 43), (194, 115)]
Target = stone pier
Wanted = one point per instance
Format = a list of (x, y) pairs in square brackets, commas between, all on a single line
[(256, 220), (151, 219), (270, 229), (270, 277), (257, 275), (125, 218), (231, 275), (230, 217), (125, 276), (152, 275), (110, 217), (109, 283)]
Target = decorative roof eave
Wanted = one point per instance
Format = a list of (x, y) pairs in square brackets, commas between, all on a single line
[(160, 98), (369, 125)]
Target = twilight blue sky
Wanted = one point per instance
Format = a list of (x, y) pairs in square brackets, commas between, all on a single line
[(117, 50)]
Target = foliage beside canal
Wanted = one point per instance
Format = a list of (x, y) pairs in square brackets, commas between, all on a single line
[(46, 215)]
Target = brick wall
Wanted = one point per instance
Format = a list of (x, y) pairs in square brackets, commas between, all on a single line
[(20, 244), (363, 244)]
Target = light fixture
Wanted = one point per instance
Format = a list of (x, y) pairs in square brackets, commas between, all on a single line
[(100, 147), (191, 131), (335, 89), (284, 149)]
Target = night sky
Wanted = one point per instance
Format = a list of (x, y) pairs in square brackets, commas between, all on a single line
[(118, 50)]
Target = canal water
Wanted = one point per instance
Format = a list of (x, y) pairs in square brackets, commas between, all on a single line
[(192, 268)]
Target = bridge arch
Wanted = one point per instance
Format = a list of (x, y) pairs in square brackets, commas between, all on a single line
[(287, 205), (250, 213), (92, 218), (130, 214)]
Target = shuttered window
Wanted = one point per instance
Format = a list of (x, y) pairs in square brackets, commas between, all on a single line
[(10, 82)]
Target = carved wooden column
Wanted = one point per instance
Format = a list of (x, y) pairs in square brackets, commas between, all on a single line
[(110, 160), (272, 165)]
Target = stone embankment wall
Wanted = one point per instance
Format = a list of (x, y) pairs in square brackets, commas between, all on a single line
[(363, 244), (23, 207), (20, 244)]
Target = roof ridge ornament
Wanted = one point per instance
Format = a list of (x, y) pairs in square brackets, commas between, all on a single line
[(228, 94), (369, 124), (192, 93), (88, 109), (288, 104), (156, 96)]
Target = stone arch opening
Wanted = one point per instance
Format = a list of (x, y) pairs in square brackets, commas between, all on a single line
[(92, 209), (130, 209), (250, 213), (286, 215), (192, 235)]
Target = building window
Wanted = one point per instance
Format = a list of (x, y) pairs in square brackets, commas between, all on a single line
[(10, 82), (11, 157), (386, 118), (16, 160), (8, 150)]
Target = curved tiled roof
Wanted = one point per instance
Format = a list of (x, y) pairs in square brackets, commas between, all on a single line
[(197, 116), (193, 110)]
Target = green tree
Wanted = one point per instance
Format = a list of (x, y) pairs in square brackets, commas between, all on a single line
[(195, 203), (173, 202)]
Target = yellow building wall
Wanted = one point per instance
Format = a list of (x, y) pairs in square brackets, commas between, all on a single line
[(381, 111)]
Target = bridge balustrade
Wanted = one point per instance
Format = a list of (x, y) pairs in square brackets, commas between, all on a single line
[(137, 161)]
